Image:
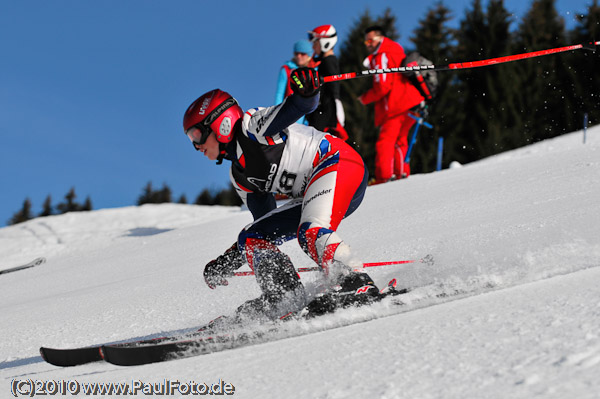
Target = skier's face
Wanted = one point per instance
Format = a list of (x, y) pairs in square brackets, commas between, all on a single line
[(316, 45), (372, 40), (301, 59), (210, 148)]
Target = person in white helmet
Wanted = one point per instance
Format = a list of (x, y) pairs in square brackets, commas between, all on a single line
[(329, 116)]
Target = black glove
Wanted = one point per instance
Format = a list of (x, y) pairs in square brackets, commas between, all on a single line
[(216, 271), (305, 81)]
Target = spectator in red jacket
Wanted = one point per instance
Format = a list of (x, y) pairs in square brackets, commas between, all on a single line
[(394, 96)]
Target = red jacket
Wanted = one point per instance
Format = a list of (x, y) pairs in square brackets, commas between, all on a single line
[(392, 93)]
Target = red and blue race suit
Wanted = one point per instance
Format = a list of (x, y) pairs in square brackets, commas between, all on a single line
[(323, 175)]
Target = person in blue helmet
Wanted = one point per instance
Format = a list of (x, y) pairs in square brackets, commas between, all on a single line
[(302, 58)]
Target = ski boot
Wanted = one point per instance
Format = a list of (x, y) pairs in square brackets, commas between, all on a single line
[(353, 289), (282, 290)]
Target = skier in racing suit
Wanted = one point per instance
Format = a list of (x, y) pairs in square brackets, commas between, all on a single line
[(269, 153)]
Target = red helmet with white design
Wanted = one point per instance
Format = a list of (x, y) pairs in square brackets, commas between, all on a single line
[(326, 35), (216, 111)]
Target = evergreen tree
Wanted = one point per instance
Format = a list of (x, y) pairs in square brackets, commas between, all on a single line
[(205, 198), (549, 105), (165, 194), (433, 39), (47, 207), (586, 64), (182, 199), (23, 215), (228, 197), (147, 194), (151, 196), (87, 205), (468, 120), (489, 121), (69, 205), (504, 124)]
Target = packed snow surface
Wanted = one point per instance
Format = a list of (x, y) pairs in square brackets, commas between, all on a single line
[(510, 308)]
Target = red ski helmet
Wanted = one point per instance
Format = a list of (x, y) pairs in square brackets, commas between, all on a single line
[(326, 35), (216, 111)]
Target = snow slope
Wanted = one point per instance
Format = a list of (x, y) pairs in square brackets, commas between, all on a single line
[(518, 235)]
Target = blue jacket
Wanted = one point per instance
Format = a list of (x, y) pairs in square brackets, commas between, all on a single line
[(282, 82)]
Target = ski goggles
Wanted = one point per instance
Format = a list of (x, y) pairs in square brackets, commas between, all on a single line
[(198, 134), (375, 39), (312, 36)]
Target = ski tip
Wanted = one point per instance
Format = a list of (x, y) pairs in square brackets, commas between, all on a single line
[(389, 288), (43, 354), (70, 357), (39, 261), (288, 316)]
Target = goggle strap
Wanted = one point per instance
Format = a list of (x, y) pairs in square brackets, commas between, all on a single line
[(312, 36)]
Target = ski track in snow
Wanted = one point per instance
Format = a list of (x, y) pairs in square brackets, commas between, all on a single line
[(511, 307)]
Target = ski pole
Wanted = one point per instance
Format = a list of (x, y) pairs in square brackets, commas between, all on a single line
[(462, 65), (413, 140), (427, 260)]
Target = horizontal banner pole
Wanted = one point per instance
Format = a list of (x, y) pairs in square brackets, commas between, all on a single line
[(461, 65)]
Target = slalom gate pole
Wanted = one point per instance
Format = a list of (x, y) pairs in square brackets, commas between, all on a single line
[(427, 260), (585, 123), (462, 65), (439, 154)]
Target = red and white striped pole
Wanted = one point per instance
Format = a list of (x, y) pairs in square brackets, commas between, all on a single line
[(461, 65), (427, 260)]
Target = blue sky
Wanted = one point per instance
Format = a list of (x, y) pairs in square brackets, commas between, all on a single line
[(93, 93)]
